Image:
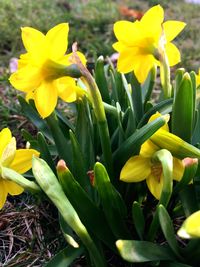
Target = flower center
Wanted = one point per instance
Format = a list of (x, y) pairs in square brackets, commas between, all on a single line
[(156, 171)]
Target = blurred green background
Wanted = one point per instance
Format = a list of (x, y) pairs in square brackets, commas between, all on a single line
[(91, 24)]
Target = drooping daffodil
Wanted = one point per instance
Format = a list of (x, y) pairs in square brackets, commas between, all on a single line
[(19, 160), (142, 166), (41, 71), (140, 43)]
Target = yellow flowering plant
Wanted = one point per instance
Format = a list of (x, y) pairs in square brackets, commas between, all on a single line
[(146, 43), (93, 163), (19, 160), (42, 72)]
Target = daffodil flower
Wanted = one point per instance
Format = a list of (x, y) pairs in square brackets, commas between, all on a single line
[(142, 166), (41, 71), (198, 79), (140, 43), (19, 160)]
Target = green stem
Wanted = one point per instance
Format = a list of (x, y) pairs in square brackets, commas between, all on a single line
[(165, 158), (111, 110), (100, 115), (165, 75), (13, 176)]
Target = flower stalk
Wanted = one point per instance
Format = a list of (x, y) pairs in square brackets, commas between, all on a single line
[(164, 157), (99, 111)]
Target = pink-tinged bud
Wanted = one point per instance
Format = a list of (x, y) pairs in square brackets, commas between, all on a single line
[(189, 161), (91, 176), (61, 166)]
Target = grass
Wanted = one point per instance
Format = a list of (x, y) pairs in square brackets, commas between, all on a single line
[(25, 239)]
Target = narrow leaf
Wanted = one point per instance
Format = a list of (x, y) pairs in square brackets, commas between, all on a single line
[(142, 251), (138, 219), (65, 257), (112, 202), (168, 230)]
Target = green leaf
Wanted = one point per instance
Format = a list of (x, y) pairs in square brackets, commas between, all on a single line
[(79, 165), (101, 80), (183, 109), (148, 85), (65, 121), (67, 232), (163, 107), (50, 185), (189, 199), (65, 257), (132, 144), (136, 97), (168, 229), (138, 219), (61, 141), (44, 151), (196, 136), (142, 251), (112, 202), (85, 132), (34, 117), (90, 214)]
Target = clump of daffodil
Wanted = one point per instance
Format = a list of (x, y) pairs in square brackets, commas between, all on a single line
[(143, 166), (141, 44), (19, 160), (41, 71)]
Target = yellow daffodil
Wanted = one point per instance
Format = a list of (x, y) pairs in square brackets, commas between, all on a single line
[(140, 43), (41, 71), (141, 167), (198, 78), (191, 226), (19, 160)]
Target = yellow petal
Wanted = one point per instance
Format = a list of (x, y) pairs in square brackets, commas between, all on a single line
[(23, 160), (30, 95), (172, 28), (152, 19), (136, 169), (173, 54), (3, 193), (142, 65), (46, 98), (5, 138), (148, 149), (67, 89), (155, 186), (126, 60), (27, 78), (57, 38), (198, 78), (32, 38), (158, 115), (8, 153), (127, 32), (191, 226), (119, 46), (12, 188), (178, 169)]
